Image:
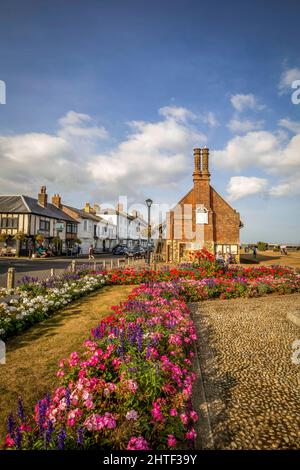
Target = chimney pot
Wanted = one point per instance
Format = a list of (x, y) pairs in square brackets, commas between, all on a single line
[(43, 197)]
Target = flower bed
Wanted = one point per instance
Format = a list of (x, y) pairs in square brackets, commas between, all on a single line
[(129, 388), (224, 288), (32, 301)]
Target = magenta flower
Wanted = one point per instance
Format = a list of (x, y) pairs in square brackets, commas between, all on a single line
[(171, 440), (138, 443)]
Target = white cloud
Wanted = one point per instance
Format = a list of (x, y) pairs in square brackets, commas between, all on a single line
[(243, 186), (241, 102), (293, 126), (287, 78), (242, 126), (78, 125), (153, 154), (177, 113), (210, 119), (290, 187)]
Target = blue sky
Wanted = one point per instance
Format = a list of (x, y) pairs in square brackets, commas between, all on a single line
[(110, 97)]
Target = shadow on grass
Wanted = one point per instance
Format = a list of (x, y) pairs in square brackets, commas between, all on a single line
[(50, 326)]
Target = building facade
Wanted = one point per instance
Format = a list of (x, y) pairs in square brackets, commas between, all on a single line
[(202, 218), (26, 223), (131, 229)]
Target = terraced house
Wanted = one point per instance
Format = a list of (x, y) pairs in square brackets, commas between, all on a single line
[(26, 222), (202, 218)]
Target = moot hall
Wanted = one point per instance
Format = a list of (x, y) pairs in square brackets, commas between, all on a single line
[(202, 218)]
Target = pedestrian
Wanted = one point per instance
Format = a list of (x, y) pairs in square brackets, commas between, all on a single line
[(220, 259), (227, 259), (254, 250), (78, 250), (91, 253)]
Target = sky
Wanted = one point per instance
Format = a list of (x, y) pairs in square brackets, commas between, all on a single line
[(108, 98)]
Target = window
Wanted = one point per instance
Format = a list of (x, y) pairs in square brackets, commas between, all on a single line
[(95, 230), (10, 221), (85, 225), (71, 228), (45, 225)]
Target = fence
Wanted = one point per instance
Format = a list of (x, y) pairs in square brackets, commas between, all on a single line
[(95, 265)]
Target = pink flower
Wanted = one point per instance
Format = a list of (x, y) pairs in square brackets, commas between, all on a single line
[(184, 418), (9, 442), (171, 440), (194, 416), (138, 443), (173, 412), (191, 434), (132, 415)]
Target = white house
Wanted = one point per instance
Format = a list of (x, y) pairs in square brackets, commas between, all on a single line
[(131, 229)]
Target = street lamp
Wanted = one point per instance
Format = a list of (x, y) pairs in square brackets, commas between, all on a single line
[(149, 204)]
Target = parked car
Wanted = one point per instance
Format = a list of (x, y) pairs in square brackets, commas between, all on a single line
[(118, 250), (138, 252)]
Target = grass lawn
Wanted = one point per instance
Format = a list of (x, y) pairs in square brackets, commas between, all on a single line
[(268, 257), (32, 357)]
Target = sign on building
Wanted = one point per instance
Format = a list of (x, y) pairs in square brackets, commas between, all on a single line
[(201, 215), (59, 227)]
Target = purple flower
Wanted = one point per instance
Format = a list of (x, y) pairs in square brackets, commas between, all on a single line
[(21, 409), (10, 425), (61, 439)]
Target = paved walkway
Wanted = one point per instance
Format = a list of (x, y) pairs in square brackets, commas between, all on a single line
[(252, 387)]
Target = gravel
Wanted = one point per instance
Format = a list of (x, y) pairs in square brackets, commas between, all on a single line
[(252, 386)]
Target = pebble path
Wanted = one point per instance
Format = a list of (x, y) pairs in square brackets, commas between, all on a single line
[(252, 386)]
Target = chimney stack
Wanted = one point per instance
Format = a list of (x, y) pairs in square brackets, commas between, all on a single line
[(120, 207), (56, 201), (89, 209), (205, 158), (197, 164), (43, 197)]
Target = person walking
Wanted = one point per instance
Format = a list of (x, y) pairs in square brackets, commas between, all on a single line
[(227, 259), (220, 259), (254, 249), (91, 253)]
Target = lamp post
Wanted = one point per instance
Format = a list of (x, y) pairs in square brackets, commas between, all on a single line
[(149, 204)]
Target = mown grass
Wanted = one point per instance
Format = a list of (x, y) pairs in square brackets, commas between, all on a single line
[(32, 357)]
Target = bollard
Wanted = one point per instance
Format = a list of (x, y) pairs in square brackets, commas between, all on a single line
[(95, 266), (118, 262), (10, 278), (104, 265), (73, 266), (52, 272), (111, 264)]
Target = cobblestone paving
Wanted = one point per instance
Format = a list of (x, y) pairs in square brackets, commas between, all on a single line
[(251, 385)]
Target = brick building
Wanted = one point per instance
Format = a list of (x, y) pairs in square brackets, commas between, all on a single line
[(202, 218)]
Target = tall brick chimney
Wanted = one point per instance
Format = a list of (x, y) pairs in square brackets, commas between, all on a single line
[(43, 197), (205, 179), (205, 166), (56, 201), (197, 165)]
